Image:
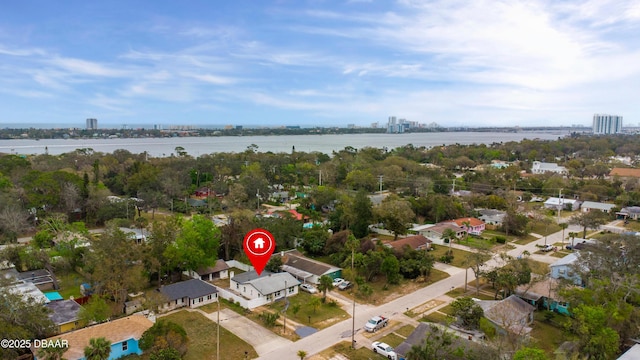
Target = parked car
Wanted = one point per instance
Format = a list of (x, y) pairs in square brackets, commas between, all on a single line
[(337, 281), (547, 248), (376, 323), (345, 285), (384, 350), (308, 288)]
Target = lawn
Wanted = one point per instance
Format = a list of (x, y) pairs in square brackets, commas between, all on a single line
[(405, 330), (525, 240), (344, 349), (435, 317), (202, 338), (392, 339), (538, 267), (549, 336), (459, 256), (70, 284), (328, 314), (544, 229)]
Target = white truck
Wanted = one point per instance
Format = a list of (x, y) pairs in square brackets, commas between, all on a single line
[(376, 323)]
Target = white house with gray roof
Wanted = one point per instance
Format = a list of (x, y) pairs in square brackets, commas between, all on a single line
[(539, 167), (267, 286), (192, 293), (591, 205)]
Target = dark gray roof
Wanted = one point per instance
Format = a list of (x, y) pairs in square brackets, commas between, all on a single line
[(192, 289), (267, 282), (63, 311), (219, 266), (416, 338)]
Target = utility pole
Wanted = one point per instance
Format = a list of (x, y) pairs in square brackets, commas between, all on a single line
[(380, 177), (218, 331), (560, 203), (353, 312), (320, 177), (284, 311)]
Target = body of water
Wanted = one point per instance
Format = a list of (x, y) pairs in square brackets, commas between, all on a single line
[(196, 146)]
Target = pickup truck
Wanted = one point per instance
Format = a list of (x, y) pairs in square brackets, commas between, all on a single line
[(376, 323)]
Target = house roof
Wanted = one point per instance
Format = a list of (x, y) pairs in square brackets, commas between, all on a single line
[(441, 227), (192, 289), (507, 313), (567, 260), (559, 201), (631, 210), (472, 221), (220, 265), (414, 242), (63, 311), (625, 172), (267, 282), (632, 353), (415, 338), (597, 205), (296, 260), (116, 331), (492, 212), (40, 276), (538, 289), (546, 166), (422, 227)]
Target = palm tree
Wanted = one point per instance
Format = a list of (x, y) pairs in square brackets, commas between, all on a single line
[(325, 284), (572, 235), (449, 235), (467, 225), (98, 349), (302, 354), (563, 226), (52, 352)]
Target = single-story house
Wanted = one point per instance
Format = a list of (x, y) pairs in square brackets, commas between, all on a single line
[(64, 314), (476, 226), (632, 354), (123, 334), (591, 205), (562, 204), (564, 268), (268, 286), (415, 242), (305, 269), (204, 192), (426, 330), (629, 212), (434, 233), (137, 235), (511, 314), (218, 271), (41, 278), (28, 291), (192, 293), (543, 295), (544, 167), (492, 216)]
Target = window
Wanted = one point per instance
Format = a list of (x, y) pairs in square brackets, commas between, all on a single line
[(125, 346), (561, 271), (277, 293), (244, 289), (291, 289), (209, 297)]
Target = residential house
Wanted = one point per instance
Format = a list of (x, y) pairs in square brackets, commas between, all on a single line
[(629, 212), (434, 233), (41, 278), (192, 293), (415, 242), (427, 330), (632, 354), (64, 314), (544, 167), (204, 192), (512, 315), (628, 173), (474, 227), (218, 271), (137, 235), (542, 293), (267, 286), (590, 205), (305, 269), (562, 204), (27, 290), (564, 268), (123, 334), (492, 216)]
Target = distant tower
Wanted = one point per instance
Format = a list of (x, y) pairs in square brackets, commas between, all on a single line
[(607, 124), (92, 124)]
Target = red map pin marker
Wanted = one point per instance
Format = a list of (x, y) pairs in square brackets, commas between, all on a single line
[(259, 245)]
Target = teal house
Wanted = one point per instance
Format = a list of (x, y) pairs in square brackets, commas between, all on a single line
[(543, 295)]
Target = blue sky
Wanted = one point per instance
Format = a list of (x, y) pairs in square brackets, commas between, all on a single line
[(319, 63)]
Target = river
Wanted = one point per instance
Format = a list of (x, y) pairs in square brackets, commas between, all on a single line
[(196, 146)]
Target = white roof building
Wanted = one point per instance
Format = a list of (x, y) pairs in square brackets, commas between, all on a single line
[(543, 167)]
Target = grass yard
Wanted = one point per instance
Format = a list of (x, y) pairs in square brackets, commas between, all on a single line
[(405, 330), (549, 336), (538, 267), (525, 240), (544, 229), (202, 338), (459, 256), (392, 339), (435, 317), (344, 349), (327, 315), (70, 284)]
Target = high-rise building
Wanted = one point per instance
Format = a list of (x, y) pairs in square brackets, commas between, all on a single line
[(92, 124), (607, 124)]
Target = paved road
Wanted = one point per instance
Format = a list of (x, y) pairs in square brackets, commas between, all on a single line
[(342, 331)]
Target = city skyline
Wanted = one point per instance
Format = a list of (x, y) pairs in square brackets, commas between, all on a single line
[(319, 63)]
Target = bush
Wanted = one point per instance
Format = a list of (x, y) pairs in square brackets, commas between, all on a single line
[(447, 259), (500, 239), (269, 319)]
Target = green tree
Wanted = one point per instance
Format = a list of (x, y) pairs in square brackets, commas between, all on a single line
[(165, 354), (96, 310), (448, 235), (196, 245), (527, 353), (391, 268), (596, 339), (326, 283), (165, 334), (468, 312), (52, 352), (396, 214), (360, 215), (315, 240), (274, 265), (301, 354), (315, 303), (98, 349), (588, 220), (476, 260)]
